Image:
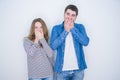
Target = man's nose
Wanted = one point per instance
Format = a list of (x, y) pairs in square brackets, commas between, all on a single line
[(70, 18)]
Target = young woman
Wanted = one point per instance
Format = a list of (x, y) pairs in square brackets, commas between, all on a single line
[(38, 52)]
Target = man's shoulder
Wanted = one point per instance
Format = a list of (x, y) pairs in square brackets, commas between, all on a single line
[(79, 25), (58, 26)]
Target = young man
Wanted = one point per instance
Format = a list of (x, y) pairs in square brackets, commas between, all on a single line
[(68, 38)]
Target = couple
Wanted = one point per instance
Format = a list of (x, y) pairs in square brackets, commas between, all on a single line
[(68, 38)]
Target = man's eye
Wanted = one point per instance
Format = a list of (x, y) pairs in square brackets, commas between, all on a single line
[(73, 15)]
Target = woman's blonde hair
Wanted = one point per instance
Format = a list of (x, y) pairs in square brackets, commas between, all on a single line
[(31, 35)]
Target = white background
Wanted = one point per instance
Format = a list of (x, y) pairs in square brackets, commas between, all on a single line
[(100, 17)]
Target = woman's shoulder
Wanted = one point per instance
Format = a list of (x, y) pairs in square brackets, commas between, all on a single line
[(26, 39)]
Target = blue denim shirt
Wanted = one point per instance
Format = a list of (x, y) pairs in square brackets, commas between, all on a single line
[(57, 42)]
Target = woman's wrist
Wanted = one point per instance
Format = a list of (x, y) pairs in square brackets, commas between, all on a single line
[(36, 41)]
